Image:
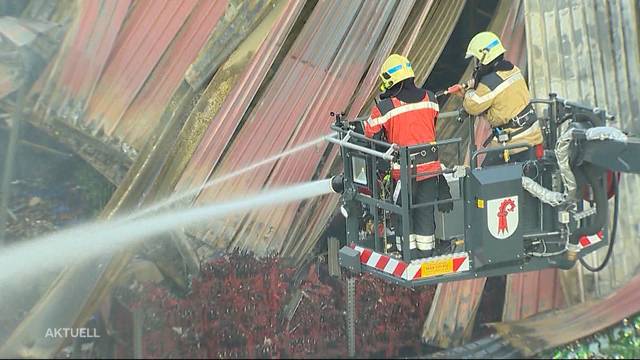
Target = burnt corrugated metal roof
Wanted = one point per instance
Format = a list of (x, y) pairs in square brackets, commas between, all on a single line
[(257, 114), (447, 321), (77, 292), (526, 294), (142, 116), (311, 71), (563, 326), (516, 339), (226, 119), (341, 81), (433, 36), (146, 34), (79, 64), (452, 313), (588, 51), (115, 77), (490, 347), (313, 215), (530, 293)]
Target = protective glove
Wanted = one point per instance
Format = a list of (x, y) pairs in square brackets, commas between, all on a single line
[(457, 90), (470, 84), (444, 193)]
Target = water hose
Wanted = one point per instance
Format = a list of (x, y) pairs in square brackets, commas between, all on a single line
[(612, 237)]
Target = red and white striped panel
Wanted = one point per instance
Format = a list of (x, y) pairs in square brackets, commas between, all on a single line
[(586, 241), (381, 262), (452, 263)]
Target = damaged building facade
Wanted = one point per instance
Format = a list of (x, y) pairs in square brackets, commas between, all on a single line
[(162, 97)]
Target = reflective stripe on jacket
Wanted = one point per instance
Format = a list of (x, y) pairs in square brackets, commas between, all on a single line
[(502, 95), (406, 124)]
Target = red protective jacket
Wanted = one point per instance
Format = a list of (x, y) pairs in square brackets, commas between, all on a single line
[(407, 124)]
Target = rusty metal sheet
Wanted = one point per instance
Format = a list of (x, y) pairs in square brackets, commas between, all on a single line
[(320, 210), (77, 67), (530, 293), (144, 113), (564, 326), (308, 229), (290, 92), (447, 321), (248, 30), (314, 214), (76, 39), (227, 119), (342, 80), (412, 27), (88, 56), (587, 50), (433, 36), (452, 313), (232, 29), (364, 97), (75, 295), (490, 347), (147, 33)]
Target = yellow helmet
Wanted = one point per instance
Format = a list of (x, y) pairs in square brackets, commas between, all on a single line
[(395, 69), (485, 47)]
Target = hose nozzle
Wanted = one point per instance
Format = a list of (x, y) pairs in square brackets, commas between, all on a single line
[(452, 89), (337, 184)]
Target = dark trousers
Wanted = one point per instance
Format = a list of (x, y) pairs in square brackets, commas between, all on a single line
[(423, 221)]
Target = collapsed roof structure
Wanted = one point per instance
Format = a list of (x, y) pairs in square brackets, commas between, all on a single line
[(163, 96)]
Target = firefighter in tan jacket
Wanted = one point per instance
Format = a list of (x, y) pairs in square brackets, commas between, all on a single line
[(499, 92)]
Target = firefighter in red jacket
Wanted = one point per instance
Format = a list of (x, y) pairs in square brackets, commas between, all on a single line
[(406, 114)]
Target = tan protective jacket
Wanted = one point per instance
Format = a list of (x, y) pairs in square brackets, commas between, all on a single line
[(502, 95)]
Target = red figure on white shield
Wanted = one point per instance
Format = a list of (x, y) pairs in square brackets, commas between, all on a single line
[(502, 216)]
